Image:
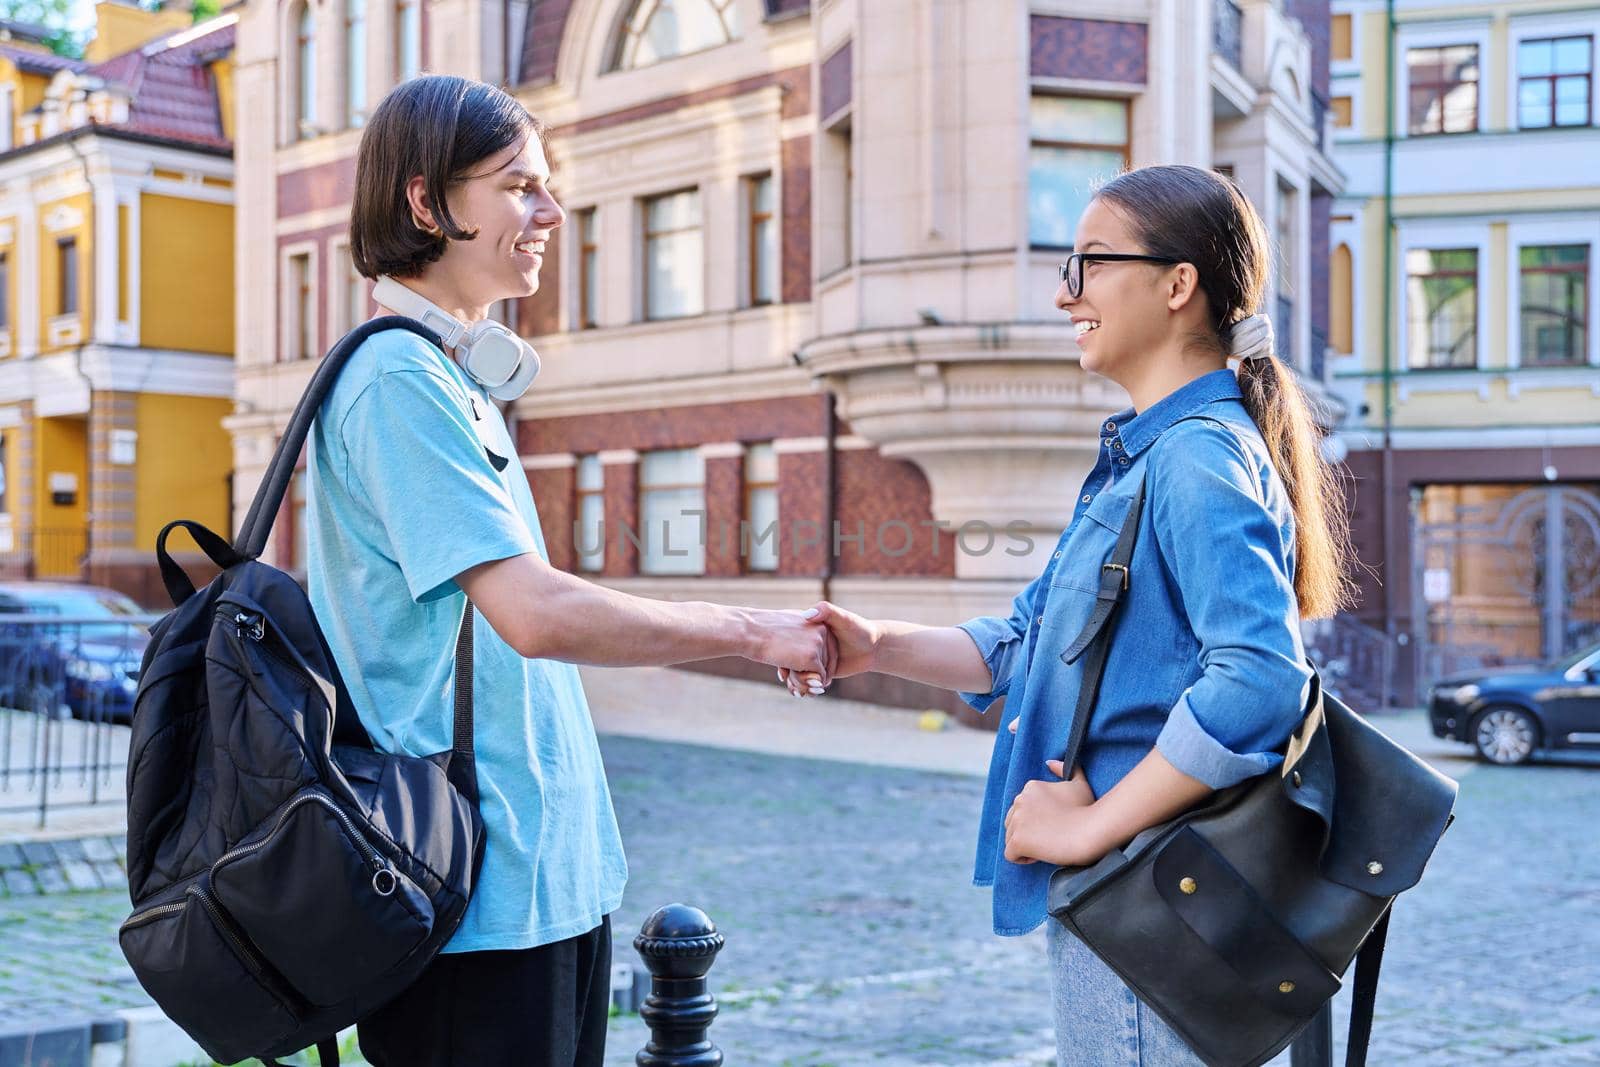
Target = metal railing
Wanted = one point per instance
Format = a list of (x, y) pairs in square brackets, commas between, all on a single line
[(1227, 32), (45, 551), (66, 696), (1356, 660)]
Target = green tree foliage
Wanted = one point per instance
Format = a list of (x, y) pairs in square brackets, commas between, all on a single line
[(55, 16)]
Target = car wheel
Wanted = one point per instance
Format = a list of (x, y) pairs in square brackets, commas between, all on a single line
[(1506, 736)]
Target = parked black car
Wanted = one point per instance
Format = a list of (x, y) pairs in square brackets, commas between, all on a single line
[(83, 667), (1508, 713)]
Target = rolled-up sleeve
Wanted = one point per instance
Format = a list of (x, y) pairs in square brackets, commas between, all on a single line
[(1233, 566), (999, 642)]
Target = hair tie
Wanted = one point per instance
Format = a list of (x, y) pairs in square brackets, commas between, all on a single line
[(1253, 338)]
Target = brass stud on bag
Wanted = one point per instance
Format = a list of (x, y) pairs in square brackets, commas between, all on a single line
[(1295, 778), (1374, 868), (1189, 886), (1286, 987)]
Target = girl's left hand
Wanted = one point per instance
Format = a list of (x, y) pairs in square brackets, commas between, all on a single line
[(1055, 822)]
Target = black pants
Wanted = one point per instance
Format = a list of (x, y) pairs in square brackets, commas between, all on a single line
[(537, 1007)]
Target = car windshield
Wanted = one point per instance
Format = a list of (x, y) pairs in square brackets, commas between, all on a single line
[(1576, 658)]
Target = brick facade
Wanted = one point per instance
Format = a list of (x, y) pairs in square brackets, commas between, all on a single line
[(1091, 49)]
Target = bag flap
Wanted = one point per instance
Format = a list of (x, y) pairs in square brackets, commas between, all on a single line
[(1389, 807), (1213, 900)]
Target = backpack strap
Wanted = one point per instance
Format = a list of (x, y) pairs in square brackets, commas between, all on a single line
[(257, 525), (1368, 962), (327, 1053), (179, 586)]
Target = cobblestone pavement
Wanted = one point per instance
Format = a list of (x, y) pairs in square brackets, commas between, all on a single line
[(854, 938)]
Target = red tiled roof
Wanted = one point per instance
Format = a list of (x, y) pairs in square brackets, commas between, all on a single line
[(172, 92), (38, 62)]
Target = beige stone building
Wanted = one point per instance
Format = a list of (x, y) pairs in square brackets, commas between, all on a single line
[(808, 269)]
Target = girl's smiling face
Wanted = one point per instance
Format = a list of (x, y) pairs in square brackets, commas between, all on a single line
[(1123, 312)]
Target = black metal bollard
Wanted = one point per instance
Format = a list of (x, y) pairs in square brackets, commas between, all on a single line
[(678, 945)]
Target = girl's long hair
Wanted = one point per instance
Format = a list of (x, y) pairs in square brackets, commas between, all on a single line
[(1199, 217)]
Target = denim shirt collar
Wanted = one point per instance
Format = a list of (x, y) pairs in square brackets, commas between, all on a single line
[(1138, 431)]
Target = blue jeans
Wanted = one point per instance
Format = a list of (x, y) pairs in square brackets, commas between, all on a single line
[(1099, 1022)]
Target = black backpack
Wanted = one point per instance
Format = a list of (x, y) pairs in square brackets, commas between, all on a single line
[(287, 878)]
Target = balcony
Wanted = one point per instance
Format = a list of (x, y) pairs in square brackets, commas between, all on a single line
[(1227, 32)]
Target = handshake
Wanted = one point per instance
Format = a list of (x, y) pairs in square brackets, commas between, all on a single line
[(810, 649)]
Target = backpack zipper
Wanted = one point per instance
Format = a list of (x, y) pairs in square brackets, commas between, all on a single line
[(139, 918), (384, 880)]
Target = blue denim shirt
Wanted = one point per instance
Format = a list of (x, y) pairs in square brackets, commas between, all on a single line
[(1206, 662)]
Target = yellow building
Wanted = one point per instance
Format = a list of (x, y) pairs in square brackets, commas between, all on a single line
[(116, 294), (1465, 272)]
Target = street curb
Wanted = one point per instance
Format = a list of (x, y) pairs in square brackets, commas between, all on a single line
[(46, 866)]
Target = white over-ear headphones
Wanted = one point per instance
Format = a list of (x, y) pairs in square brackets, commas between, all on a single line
[(493, 355)]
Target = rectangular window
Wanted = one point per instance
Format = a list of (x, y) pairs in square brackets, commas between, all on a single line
[(1443, 87), (591, 511), (1343, 112), (355, 63), (1555, 305), (1076, 143), (588, 271), (763, 247), (672, 502), (760, 509), (1554, 78), (5, 291), (355, 294), (67, 278), (1442, 294), (302, 326), (408, 39), (674, 253), (1341, 44)]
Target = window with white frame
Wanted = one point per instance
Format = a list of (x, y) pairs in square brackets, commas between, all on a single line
[(760, 509), (1076, 143), (347, 293), (591, 513), (1442, 307), (674, 256), (661, 29), (300, 303), (1554, 81), (1442, 89), (672, 502), (762, 248), (67, 276), (588, 311), (5, 292), (1554, 322), (305, 51), (355, 62), (408, 39)]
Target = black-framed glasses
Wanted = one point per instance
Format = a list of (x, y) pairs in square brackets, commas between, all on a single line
[(1072, 269)]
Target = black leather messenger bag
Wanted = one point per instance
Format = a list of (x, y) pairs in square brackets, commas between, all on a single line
[(1236, 921)]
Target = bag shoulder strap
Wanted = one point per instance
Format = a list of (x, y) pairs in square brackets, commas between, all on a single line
[(257, 526), (1095, 638), (1368, 963)]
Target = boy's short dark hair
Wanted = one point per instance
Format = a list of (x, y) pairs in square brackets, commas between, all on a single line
[(438, 126)]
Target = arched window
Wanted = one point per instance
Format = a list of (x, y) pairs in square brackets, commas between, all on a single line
[(408, 39), (1341, 293), (305, 52), (355, 62), (660, 29)]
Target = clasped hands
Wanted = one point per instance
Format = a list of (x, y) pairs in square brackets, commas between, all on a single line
[(1051, 821)]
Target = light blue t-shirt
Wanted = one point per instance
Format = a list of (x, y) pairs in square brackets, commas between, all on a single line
[(413, 479)]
